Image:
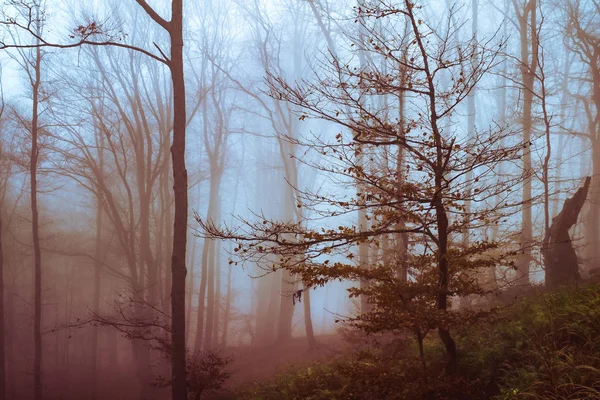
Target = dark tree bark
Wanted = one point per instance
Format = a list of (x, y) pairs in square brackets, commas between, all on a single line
[(527, 18), (3, 358), (2, 338), (37, 301), (97, 277), (178, 269), (560, 259)]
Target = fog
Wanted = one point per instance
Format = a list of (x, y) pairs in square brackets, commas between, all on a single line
[(195, 195)]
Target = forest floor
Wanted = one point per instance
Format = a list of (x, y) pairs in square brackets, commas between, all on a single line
[(259, 363)]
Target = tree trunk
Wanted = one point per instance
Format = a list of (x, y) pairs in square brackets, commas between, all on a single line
[(2, 337), (97, 269), (10, 338), (363, 223), (37, 302), (210, 295), (286, 307), (96, 299), (168, 231), (180, 189), (465, 301), (201, 298), (593, 216), (310, 334), (527, 23), (442, 295), (190, 292), (212, 301), (560, 258), (227, 311), (217, 314)]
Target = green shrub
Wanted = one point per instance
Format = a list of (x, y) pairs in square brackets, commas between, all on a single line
[(543, 347)]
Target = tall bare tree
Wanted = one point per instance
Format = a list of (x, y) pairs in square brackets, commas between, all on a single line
[(92, 34), (528, 28), (3, 188)]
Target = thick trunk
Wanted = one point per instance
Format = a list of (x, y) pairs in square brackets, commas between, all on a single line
[(560, 258), (593, 216), (593, 220), (286, 307), (290, 214), (180, 189)]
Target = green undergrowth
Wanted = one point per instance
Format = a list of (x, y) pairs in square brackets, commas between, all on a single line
[(544, 347)]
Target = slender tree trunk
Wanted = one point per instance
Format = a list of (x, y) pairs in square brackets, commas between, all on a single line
[(180, 186), (2, 335), (442, 295), (465, 301), (227, 311), (190, 292), (97, 269), (201, 297), (267, 286), (401, 239), (561, 141), (310, 334), (37, 302), (363, 223), (500, 167), (168, 230), (212, 301), (210, 297), (438, 200), (96, 300), (527, 24), (9, 313), (217, 313)]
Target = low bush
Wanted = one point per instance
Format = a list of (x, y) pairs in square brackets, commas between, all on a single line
[(542, 347)]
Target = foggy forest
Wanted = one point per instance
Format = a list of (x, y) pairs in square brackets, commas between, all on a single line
[(299, 199)]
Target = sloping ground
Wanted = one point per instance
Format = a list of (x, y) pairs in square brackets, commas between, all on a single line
[(255, 364), (543, 347)]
